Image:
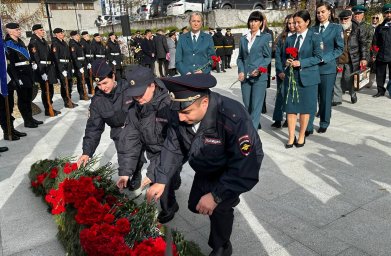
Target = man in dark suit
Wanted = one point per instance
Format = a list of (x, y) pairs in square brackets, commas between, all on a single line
[(148, 49), (195, 49), (161, 51)]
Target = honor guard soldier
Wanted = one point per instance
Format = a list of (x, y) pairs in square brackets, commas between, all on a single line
[(62, 59), (216, 136), (89, 58), (98, 48), (45, 72), (219, 42), (21, 72), (113, 52), (110, 106), (78, 61), (146, 128), (229, 47), (381, 40)]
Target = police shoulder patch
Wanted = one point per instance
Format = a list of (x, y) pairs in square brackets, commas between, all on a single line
[(245, 145)]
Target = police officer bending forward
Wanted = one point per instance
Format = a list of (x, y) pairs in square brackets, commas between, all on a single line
[(146, 128), (109, 105), (216, 136)]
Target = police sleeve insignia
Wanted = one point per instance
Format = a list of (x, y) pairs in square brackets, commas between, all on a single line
[(245, 145)]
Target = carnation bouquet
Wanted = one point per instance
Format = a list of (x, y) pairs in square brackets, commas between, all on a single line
[(214, 60), (260, 70), (94, 218), (292, 53)]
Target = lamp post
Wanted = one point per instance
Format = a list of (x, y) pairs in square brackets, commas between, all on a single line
[(77, 20)]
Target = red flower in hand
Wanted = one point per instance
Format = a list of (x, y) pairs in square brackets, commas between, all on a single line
[(262, 70), (292, 51), (375, 48), (216, 58), (339, 70)]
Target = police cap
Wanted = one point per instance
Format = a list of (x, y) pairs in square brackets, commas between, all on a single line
[(386, 8), (96, 34), (100, 70), (185, 90), (345, 13), (139, 78), (36, 27), (73, 33), (228, 29), (218, 29), (58, 30), (84, 33), (12, 25), (359, 9)]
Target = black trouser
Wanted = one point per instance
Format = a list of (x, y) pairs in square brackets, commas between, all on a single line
[(168, 199), (25, 97), (222, 219), (3, 117), (162, 67), (381, 75), (63, 90), (228, 61), (172, 72), (222, 64), (80, 89), (44, 95)]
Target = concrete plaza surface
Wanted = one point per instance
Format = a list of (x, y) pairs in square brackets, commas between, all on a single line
[(331, 197)]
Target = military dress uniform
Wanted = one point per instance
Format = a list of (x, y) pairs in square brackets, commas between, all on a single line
[(229, 47), (89, 58), (145, 128), (21, 72), (382, 39), (98, 49), (43, 57), (114, 56), (219, 42), (107, 108), (63, 62), (78, 61), (224, 150)]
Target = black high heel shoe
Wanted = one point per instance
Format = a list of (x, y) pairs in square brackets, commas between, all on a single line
[(298, 145), (291, 145)]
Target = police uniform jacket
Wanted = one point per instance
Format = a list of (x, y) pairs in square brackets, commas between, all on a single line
[(145, 128), (18, 58), (42, 55), (98, 50), (189, 56), (332, 47), (382, 39), (62, 57), (113, 52), (77, 53), (229, 44), (260, 55), (225, 147), (310, 55), (219, 42), (110, 109)]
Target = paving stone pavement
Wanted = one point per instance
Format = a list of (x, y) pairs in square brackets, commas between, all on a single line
[(331, 197)]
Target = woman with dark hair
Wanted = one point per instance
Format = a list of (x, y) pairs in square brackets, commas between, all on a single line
[(280, 63), (255, 52), (332, 47), (302, 76)]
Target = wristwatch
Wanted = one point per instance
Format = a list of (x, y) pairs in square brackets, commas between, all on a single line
[(216, 198)]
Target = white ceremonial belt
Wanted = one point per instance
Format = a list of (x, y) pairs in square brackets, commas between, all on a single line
[(23, 63), (64, 61), (45, 62), (80, 58), (115, 53), (89, 55), (100, 56)]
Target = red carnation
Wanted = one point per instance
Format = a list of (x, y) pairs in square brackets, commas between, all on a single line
[(123, 225), (53, 173), (70, 167), (292, 51), (216, 59), (375, 48), (262, 70), (339, 70), (109, 218)]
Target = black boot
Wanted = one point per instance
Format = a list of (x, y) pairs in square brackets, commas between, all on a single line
[(3, 149), (30, 124), (36, 121), (225, 250), (166, 216), (13, 137), (18, 133)]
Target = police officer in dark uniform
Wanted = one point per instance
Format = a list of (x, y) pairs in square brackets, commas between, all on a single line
[(109, 105), (216, 136), (219, 42), (382, 39), (113, 53), (146, 128), (43, 63), (98, 48), (138, 53), (78, 61), (21, 73), (89, 58), (229, 47), (62, 59)]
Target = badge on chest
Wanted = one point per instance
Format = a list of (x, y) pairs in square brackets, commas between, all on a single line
[(212, 141)]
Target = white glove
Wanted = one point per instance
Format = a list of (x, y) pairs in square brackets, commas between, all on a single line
[(44, 77), (122, 63), (64, 73), (114, 62), (20, 82), (73, 71), (81, 70), (35, 66), (89, 66)]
